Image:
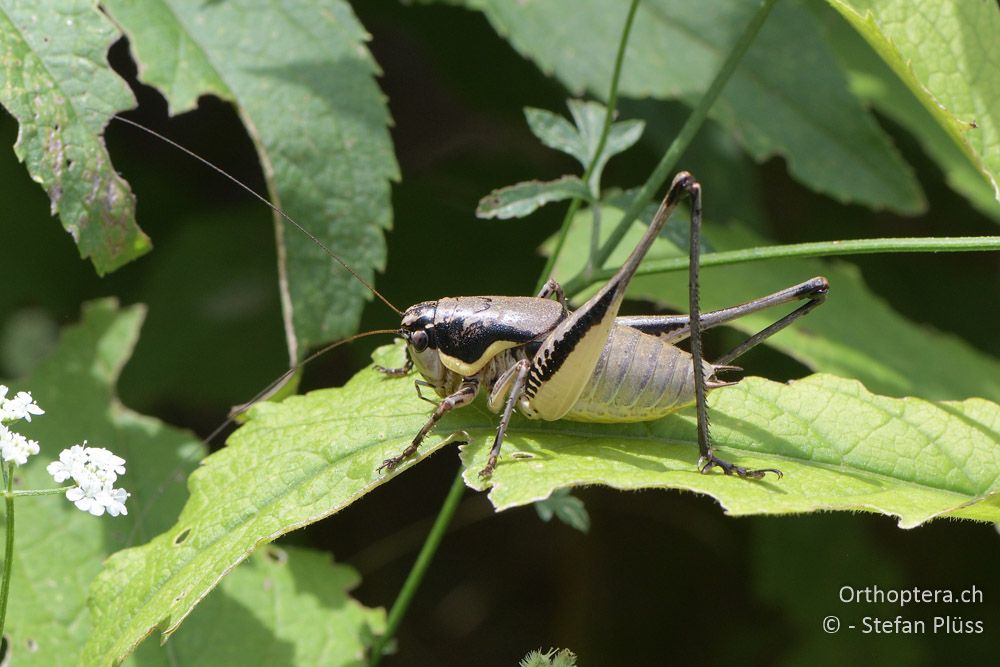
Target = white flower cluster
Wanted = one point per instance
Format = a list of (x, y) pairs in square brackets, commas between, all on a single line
[(22, 406), (95, 471), (14, 446)]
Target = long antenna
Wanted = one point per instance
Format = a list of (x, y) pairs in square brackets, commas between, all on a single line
[(266, 201), (278, 382)]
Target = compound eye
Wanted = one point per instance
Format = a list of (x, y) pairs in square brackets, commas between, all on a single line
[(419, 340)]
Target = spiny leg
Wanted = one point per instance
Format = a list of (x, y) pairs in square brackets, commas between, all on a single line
[(675, 328), (463, 396), (816, 299), (520, 374), (708, 459)]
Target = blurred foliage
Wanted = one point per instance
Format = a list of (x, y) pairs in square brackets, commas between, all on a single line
[(658, 575)]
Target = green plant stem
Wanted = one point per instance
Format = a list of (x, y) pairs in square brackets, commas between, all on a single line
[(8, 553), (416, 575), (817, 249), (574, 205), (41, 492), (609, 116), (680, 143)]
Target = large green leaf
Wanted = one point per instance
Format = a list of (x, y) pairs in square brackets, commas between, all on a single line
[(284, 606), (854, 333), (787, 98), (310, 456), (59, 549), (303, 82), (57, 83), (257, 488), (840, 447), (946, 53), (872, 80)]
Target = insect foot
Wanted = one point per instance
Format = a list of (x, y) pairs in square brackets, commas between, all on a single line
[(709, 461), (389, 465), (402, 371), (487, 471)]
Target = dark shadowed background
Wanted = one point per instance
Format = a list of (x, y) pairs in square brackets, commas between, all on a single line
[(661, 576)]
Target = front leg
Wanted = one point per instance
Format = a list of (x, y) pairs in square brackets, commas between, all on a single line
[(515, 377), (465, 394), (398, 372)]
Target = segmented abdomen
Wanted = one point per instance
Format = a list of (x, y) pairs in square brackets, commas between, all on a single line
[(637, 378)]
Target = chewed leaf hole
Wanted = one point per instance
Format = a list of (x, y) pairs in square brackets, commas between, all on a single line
[(182, 536)]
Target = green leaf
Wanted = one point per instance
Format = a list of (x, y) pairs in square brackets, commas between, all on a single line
[(292, 464), (947, 55), (582, 141), (840, 447), (854, 333), (522, 199), (788, 98), (872, 80), (556, 132), (328, 163), (59, 549), (283, 606), (714, 155), (566, 507), (310, 456), (59, 87)]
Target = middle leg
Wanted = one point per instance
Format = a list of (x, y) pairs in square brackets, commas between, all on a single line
[(463, 396)]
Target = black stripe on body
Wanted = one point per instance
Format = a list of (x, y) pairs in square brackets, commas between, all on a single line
[(465, 327), (556, 354)]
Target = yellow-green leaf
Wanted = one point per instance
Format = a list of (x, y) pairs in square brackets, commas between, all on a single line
[(839, 446), (948, 55), (310, 456)]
